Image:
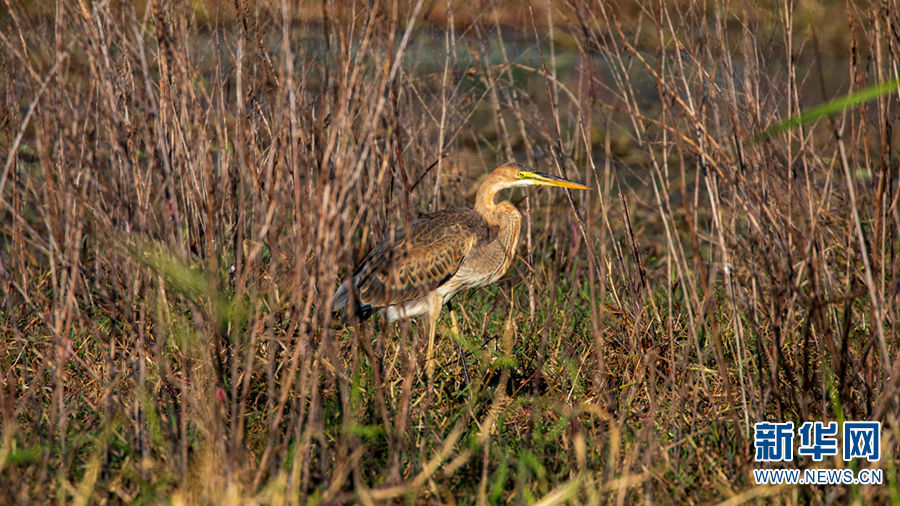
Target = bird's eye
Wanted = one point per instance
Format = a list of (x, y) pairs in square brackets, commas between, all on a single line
[(520, 175)]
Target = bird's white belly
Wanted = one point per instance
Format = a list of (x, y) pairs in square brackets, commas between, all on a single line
[(406, 310), (419, 306)]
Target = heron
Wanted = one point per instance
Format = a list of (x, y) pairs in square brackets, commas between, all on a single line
[(415, 271)]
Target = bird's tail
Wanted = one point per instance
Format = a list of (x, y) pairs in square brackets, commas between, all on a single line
[(341, 301)]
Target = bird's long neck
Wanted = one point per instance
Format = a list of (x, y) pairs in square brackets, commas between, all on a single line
[(502, 215)]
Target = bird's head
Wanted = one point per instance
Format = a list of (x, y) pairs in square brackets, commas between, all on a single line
[(515, 174)]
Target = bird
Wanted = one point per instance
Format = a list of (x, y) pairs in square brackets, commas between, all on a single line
[(415, 271)]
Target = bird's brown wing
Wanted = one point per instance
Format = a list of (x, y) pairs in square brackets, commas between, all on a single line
[(420, 259)]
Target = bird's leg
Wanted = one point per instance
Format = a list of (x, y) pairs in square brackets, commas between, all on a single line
[(434, 310)]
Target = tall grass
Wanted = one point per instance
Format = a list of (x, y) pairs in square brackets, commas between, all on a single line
[(185, 184)]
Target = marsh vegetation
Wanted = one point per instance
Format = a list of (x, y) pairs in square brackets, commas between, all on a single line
[(186, 183)]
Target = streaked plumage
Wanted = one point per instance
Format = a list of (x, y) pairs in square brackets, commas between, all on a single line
[(418, 270)]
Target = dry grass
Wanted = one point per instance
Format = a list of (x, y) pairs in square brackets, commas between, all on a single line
[(184, 184)]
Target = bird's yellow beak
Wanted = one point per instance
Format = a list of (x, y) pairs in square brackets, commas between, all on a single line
[(542, 178)]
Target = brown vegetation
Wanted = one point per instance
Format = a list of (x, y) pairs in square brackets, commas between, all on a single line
[(185, 184)]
